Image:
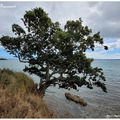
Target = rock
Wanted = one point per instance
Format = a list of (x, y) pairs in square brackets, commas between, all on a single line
[(75, 98)]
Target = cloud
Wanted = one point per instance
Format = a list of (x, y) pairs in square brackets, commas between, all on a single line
[(102, 55), (105, 18), (100, 16), (113, 45)]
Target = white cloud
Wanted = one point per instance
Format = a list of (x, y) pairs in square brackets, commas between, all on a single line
[(113, 45), (102, 55)]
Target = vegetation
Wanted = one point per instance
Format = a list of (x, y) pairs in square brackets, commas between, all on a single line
[(17, 99), (54, 54)]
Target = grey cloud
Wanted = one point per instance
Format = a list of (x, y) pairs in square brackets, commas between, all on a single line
[(8, 16), (58, 11), (92, 4), (110, 10), (107, 19), (100, 16)]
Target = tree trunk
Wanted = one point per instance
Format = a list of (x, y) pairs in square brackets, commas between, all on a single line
[(47, 73), (44, 86), (41, 91), (61, 76)]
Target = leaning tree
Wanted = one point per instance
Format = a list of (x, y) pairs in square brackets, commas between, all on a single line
[(54, 54)]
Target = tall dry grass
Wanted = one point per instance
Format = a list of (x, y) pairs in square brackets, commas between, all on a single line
[(17, 98)]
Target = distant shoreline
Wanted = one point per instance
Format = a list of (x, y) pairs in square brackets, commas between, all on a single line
[(3, 59)]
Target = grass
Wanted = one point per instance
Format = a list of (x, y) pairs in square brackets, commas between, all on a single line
[(17, 98)]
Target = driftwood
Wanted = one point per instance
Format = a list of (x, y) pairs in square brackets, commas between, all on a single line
[(75, 98)]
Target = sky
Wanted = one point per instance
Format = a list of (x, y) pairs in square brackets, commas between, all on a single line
[(99, 16)]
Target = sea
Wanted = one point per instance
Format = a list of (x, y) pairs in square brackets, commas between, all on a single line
[(99, 103)]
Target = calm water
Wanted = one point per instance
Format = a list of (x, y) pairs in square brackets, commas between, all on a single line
[(100, 104)]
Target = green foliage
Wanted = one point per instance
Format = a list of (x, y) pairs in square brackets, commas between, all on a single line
[(54, 54)]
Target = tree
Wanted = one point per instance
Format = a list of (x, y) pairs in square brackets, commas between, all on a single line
[(54, 54)]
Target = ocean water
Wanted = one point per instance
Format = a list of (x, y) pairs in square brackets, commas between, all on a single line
[(100, 104)]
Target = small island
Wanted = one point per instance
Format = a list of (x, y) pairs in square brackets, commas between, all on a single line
[(3, 59)]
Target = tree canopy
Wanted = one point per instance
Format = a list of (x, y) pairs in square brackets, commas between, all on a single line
[(57, 55)]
